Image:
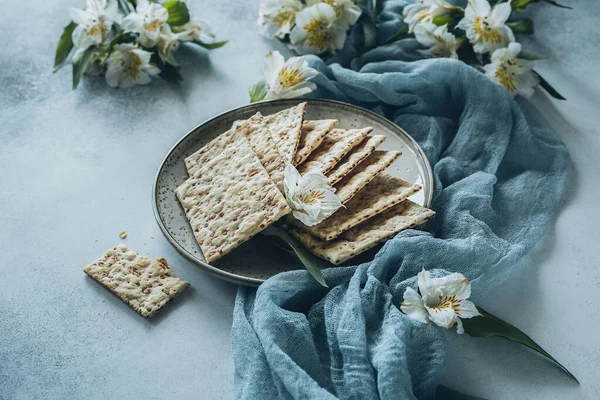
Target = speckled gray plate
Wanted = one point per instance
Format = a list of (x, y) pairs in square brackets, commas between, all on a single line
[(257, 259)]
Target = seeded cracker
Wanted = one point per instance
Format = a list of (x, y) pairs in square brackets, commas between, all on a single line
[(352, 159), (230, 199), (285, 127), (367, 235), (364, 172), (208, 152), (311, 136), (334, 147), (382, 193), (146, 285)]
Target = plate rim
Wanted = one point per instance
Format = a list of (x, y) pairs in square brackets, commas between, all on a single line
[(238, 279)]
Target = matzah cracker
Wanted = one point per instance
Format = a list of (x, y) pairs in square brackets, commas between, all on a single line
[(336, 144), (230, 199), (352, 159), (311, 136), (285, 127), (382, 193), (263, 145), (364, 172), (208, 152), (146, 285), (367, 235)]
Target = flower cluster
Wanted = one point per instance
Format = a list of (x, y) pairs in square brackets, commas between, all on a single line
[(309, 26), (130, 41), (478, 35)]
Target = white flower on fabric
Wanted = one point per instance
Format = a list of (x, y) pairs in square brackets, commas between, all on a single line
[(316, 30), (424, 10), (93, 23), (197, 31), (310, 197), (148, 20), (441, 43), (346, 11), (287, 79), (485, 26), (128, 66), (442, 301), (168, 42), (277, 17), (512, 72)]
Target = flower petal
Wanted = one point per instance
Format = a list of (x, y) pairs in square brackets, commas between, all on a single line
[(444, 317), (467, 309), (454, 285), (413, 307), (274, 61), (500, 13)]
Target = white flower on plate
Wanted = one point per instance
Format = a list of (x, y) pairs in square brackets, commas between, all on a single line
[(346, 11), (148, 20), (287, 79), (442, 301), (128, 66), (168, 42), (277, 17), (93, 23), (196, 31), (441, 43), (310, 197), (316, 31), (512, 72), (485, 26), (424, 10)]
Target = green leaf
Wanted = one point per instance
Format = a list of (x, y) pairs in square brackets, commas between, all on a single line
[(369, 32), (525, 55), (524, 26), (65, 45), (258, 91), (557, 5), (211, 46), (548, 88), (488, 325), (178, 12), (306, 257), (403, 32), (125, 37), (126, 6), (81, 64)]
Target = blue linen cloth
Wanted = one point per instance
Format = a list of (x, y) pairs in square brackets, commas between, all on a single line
[(500, 173)]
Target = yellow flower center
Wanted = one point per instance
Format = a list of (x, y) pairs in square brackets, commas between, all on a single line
[(505, 76), (100, 28), (485, 32), (317, 33), (289, 77), (447, 302), (152, 26), (284, 18), (133, 66), (314, 197)]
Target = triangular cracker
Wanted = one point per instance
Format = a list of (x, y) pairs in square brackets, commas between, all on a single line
[(334, 147), (352, 159), (311, 136), (364, 172), (367, 235), (382, 193), (285, 127), (146, 285), (230, 199)]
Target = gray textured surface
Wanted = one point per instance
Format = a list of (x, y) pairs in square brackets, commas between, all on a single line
[(77, 167)]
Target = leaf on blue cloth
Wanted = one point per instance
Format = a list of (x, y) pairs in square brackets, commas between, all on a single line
[(548, 88), (81, 64), (306, 257), (65, 45), (369, 32), (524, 26), (488, 325)]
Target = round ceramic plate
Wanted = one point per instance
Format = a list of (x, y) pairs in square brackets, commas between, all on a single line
[(256, 260)]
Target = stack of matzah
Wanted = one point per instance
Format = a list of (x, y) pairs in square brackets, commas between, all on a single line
[(235, 188)]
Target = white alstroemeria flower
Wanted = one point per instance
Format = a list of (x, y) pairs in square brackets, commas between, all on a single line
[(485, 26), (441, 43), (442, 301), (346, 11), (287, 79), (424, 10), (128, 66), (168, 42), (512, 72), (148, 20), (316, 31), (277, 17), (93, 23), (197, 31), (310, 197)]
